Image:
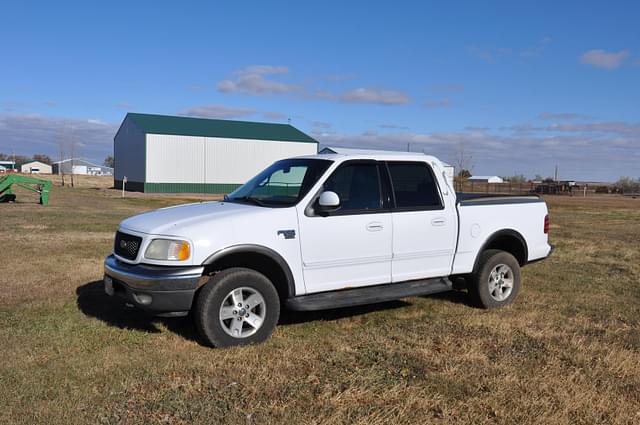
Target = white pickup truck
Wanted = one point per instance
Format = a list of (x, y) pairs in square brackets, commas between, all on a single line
[(320, 232)]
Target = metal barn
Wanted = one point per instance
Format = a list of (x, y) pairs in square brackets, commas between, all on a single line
[(159, 153)]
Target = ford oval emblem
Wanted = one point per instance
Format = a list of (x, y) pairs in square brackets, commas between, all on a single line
[(123, 244)]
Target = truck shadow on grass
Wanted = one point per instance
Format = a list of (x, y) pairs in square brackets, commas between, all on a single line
[(93, 302)]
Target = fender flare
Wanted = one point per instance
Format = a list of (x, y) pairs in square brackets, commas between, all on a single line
[(498, 234), (256, 249)]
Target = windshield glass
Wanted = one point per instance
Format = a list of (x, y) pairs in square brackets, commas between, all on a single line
[(283, 184)]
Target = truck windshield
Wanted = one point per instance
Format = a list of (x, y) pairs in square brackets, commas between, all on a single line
[(283, 184)]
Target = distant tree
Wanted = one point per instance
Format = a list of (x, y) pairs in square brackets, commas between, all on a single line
[(109, 161), (42, 158), (73, 158), (627, 185), (463, 162), (463, 158), (517, 179), (61, 153), (549, 180), (19, 159), (464, 173)]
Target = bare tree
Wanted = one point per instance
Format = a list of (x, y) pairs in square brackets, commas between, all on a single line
[(61, 151), (73, 156), (463, 162)]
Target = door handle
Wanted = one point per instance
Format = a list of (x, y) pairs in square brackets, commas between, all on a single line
[(375, 226), (438, 221)]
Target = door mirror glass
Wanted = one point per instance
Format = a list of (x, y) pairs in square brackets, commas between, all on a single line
[(329, 200)]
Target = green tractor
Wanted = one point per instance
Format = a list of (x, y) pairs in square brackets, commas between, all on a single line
[(8, 181)]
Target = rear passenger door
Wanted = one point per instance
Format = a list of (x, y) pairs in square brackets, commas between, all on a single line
[(424, 230)]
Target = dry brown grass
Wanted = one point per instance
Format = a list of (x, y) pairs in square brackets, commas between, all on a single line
[(568, 351)]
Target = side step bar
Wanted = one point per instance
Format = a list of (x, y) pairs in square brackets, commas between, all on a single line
[(368, 294)]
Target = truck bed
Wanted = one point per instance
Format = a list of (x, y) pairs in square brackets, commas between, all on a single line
[(468, 199)]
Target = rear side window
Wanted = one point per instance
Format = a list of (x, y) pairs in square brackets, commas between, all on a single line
[(414, 185)]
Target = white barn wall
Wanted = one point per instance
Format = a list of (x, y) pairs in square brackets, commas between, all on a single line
[(175, 159), (182, 159), (238, 160)]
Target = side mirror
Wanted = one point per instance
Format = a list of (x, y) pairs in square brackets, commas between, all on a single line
[(329, 201)]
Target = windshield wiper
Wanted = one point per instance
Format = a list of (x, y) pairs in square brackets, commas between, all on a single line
[(251, 199)]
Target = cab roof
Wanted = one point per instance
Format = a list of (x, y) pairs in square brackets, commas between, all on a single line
[(382, 156)]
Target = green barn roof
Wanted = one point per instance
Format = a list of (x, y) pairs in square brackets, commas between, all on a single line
[(187, 126)]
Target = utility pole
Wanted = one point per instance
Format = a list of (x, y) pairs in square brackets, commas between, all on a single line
[(556, 175)]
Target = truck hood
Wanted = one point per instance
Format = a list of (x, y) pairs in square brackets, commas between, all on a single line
[(173, 221)]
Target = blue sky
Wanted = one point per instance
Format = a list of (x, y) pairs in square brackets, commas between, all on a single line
[(519, 87)]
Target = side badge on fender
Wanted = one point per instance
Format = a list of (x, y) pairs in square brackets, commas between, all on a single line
[(288, 234)]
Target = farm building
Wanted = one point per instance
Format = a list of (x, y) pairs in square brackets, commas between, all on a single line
[(486, 179), (82, 167), (448, 169), (7, 165), (158, 153), (35, 167)]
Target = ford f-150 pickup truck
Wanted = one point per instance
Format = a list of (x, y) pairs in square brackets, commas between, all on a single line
[(322, 232)]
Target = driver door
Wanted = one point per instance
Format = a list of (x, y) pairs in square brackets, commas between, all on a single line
[(350, 246)]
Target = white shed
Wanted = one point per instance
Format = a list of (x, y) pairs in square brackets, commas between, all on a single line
[(35, 167), (486, 179), (81, 166), (159, 153)]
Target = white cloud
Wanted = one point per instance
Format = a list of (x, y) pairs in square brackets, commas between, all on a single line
[(434, 104), (489, 54), (253, 80), (277, 116), (393, 127), (603, 59), (563, 116), (30, 133), (321, 125), (492, 54), (369, 95), (611, 127), (217, 111), (601, 151)]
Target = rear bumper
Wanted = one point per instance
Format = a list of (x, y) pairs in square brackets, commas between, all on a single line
[(155, 289)]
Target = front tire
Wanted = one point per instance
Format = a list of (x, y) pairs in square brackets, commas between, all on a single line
[(238, 306), (497, 280)]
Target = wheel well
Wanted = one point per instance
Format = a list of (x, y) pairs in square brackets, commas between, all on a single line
[(261, 263), (511, 243)]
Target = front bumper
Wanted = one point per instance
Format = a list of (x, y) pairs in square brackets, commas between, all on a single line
[(156, 289)]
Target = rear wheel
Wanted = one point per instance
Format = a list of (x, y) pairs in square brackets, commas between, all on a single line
[(237, 306), (497, 280)]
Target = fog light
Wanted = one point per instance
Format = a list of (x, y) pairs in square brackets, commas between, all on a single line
[(143, 299)]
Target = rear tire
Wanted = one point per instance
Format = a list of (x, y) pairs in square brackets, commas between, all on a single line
[(497, 280), (238, 306)]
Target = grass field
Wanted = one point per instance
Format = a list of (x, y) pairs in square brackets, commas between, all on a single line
[(568, 350)]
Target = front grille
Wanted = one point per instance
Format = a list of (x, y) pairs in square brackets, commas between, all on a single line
[(127, 246)]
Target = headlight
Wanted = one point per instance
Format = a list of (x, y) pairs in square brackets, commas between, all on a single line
[(167, 249)]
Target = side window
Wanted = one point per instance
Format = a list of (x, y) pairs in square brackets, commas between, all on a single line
[(357, 185), (414, 185)]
